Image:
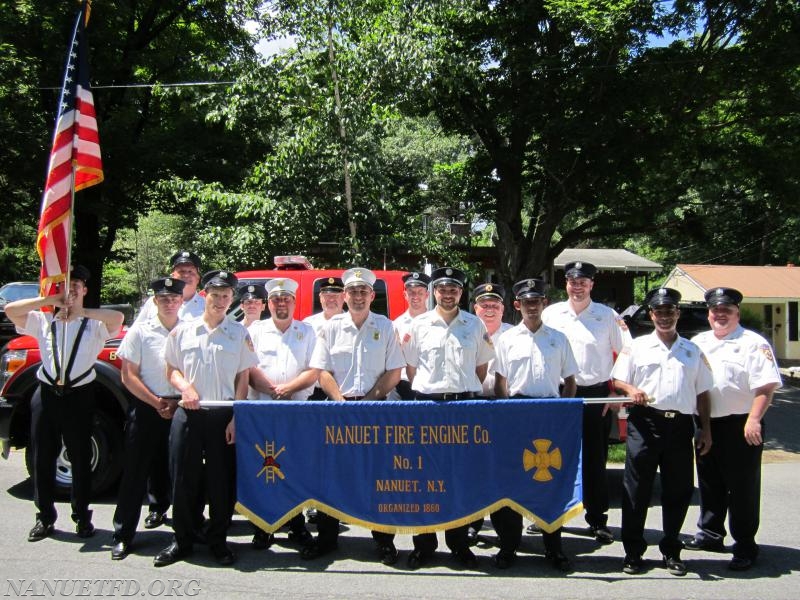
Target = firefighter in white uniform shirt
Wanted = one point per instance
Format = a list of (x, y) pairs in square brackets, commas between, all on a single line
[(447, 356), (668, 379), (745, 378), (207, 359), (415, 291), (284, 348), (532, 360), (144, 374), (357, 357), (186, 267), (252, 299), (63, 403), (596, 333), (489, 308)]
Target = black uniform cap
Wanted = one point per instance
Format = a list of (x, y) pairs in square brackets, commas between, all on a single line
[(252, 291), (579, 269), (219, 279), (448, 276), (332, 284), (489, 290), (167, 285), (184, 257), (530, 288), (723, 295), (415, 278), (662, 297)]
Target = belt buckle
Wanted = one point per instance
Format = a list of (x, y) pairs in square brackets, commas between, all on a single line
[(670, 414)]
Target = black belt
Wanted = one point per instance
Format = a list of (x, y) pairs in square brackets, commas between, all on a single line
[(353, 397), (603, 385), (665, 414), (738, 417), (448, 396)]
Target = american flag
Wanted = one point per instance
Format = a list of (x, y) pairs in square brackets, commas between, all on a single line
[(75, 161)]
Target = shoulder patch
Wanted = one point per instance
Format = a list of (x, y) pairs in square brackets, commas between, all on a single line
[(488, 339), (705, 360), (249, 342), (767, 352)]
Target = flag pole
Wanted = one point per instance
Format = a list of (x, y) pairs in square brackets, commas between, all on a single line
[(68, 274)]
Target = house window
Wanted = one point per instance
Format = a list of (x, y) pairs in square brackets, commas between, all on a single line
[(792, 324)]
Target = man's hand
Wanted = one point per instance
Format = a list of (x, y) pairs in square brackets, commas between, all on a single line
[(752, 432), (281, 392), (190, 399), (166, 408), (702, 441), (230, 433)]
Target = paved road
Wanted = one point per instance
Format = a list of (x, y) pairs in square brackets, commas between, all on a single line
[(278, 571)]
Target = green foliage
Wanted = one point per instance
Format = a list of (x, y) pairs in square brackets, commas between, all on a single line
[(119, 285), (142, 253)]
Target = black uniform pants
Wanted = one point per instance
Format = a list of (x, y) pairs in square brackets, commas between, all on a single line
[(730, 483), (146, 450), (196, 435), (455, 538), (328, 532), (55, 417), (660, 442), (596, 429), (507, 524)]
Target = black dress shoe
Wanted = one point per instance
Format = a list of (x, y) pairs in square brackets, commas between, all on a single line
[(171, 554), (740, 563), (84, 529), (533, 529), (675, 566), (119, 550), (504, 559), (466, 558), (388, 554), (602, 534), (418, 559), (311, 515), (223, 554), (472, 536), (314, 550), (560, 561), (709, 545), (40, 531), (262, 540), (154, 519), (632, 565), (302, 537)]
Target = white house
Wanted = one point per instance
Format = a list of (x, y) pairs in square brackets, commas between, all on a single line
[(772, 293)]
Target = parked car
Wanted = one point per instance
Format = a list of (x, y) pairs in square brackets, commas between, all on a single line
[(693, 319), (20, 360), (18, 290)]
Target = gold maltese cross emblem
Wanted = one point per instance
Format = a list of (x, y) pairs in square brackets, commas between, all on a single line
[(542, 460)]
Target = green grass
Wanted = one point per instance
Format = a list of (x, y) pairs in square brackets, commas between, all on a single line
[(616, 453)]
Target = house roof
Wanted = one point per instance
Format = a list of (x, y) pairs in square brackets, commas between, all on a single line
[(752, 281), (608, 259)]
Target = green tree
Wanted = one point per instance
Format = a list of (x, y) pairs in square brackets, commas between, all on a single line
[(148, 130), (586, 129)]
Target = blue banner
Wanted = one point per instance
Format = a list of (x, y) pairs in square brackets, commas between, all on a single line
[(409, 467)]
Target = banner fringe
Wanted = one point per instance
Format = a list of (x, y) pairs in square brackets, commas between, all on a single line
[(549, 527)]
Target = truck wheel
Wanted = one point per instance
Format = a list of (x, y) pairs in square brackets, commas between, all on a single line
[(107, 456)]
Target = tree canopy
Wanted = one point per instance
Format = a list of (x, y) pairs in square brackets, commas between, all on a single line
[(561, 123)]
